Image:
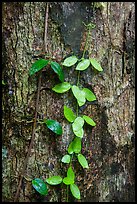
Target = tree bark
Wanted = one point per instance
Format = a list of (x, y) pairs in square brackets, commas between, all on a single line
[(109, 146)]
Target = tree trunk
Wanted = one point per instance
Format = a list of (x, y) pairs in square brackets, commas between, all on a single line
[(109, 146)]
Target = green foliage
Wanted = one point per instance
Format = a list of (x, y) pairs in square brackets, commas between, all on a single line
[(54, 126), (78, 124), (68, 181), (58, 70), (69, 61), (70, 177), (96, 65), (70, 173), (69, 115), (41, 63), (76, 120), (76, 145), (89, 120), (75, 191), (3, 83), (82, 160), (79, 133), (70, 148), (40, 186), (66, 159), (37, 66), (62, 87), (54, 180), (89, 95), (84, 64), (79, 95)]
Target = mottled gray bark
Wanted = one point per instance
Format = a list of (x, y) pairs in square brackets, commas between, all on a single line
[(109, 146)]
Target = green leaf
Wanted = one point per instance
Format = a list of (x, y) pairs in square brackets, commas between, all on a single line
[(40, 186), (81, 103), (54, 126), (70, 148), (68, 181), (75, 191), (76, 145), (66, 159), (70, 177), (62, 87), (54, 180), (89, 95), (79, 95), (89, 120), (3, 83), (69, 61), (95, 64), (84, 64), (78, 124), (70, 173), (79, 133), (69, 115), (58, 70), (37, 66), (82, 160)]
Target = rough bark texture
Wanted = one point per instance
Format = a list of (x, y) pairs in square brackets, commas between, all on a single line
[(108, 147)]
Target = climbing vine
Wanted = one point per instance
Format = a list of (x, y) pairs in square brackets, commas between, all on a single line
[(76, 120)]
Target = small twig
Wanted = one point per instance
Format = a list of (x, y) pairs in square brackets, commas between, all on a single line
[(32, 140), (35, 118)]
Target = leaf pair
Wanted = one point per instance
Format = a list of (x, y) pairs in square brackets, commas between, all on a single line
[(78, 123), (77, 127), (41, 186), (70, 177), (83, 64), (82, 95), (75, 146), (41, 63), (69, 180), (70, 61)]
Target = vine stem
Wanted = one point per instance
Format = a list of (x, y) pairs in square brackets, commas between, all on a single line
[(82, 57), (67, 193), (36, 111), (77, 85)]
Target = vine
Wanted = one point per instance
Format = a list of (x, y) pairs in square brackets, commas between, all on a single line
[(77, 121)]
